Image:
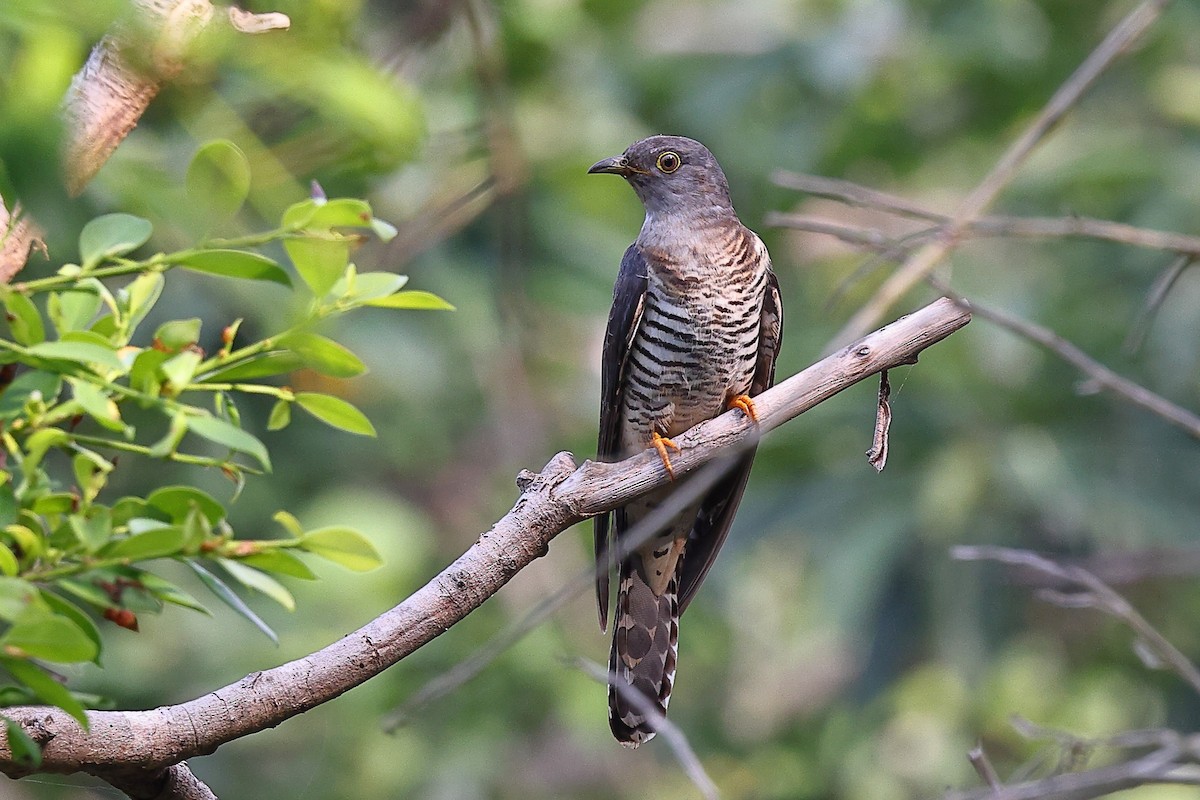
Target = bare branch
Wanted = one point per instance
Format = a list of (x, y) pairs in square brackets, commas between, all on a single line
[(921, 263), (670, 732), (550, 502), (1102, 376), (997, 226), (1088, 591)]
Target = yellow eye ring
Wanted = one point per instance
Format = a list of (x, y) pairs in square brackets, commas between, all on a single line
[(669, 161)]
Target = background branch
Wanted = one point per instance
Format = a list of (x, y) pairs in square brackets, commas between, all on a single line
[(923, 261), (550, 502)]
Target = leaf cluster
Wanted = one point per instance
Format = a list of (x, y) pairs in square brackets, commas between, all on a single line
[(78, 365)]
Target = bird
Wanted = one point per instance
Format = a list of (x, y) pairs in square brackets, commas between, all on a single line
[(695, 328)]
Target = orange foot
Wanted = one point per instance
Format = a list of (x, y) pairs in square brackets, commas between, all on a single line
[(661, 444), (746, 404)]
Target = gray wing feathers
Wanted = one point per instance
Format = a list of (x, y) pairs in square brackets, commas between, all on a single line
[(628, 295)]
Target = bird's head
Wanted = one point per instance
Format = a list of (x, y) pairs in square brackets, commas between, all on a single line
[(672, 175)]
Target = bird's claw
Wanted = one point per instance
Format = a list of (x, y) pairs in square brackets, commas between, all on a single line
[(746, 404), (661, 443)]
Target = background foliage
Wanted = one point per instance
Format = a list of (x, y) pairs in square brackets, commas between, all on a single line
[(837, 651)]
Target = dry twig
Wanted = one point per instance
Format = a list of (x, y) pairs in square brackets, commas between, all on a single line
[(921, 263)]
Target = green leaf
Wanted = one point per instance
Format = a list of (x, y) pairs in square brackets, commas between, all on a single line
[(297, 215), (143, 292), (63, 607), (45, 688), (16, 595), (344, 546), (25, 320), (144, 375), (40, 633), (168, 592), (82, 352), (30, 544), (39, 443), (218, 179), (177, 334), (281, 562), (167, 445), (98, 405), (87, 592), (73, 310), (222, 432), (230, 598), (26, 386), (25, 751), (177, 501), (8, 561), (112, 235), (235, 264), (54, 503), (260, 582), (281, 415), (289, 523), (324, 355), (320, 260), (336, 412), (417, 300), (365, 286), (157, 543), (262, 366), (91, 473), (94, 531), (180, 369), (343, 212)]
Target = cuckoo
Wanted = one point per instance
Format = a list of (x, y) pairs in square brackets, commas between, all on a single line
[(695, 327)]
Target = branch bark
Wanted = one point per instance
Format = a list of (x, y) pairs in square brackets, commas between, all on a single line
[(148, 743), (125, 71)]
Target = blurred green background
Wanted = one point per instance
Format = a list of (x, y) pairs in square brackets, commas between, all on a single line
[(837, 651)]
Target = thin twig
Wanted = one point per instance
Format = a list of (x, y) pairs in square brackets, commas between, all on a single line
[(1089, 592), (983, 767), (1154, 300), (922, 263), (669, 731), (1103, 376), (994, 226)]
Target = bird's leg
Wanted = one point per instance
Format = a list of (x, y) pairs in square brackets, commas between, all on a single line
[(746, 404), (661, 443)]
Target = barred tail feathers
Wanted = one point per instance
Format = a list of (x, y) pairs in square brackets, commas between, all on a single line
[(644, 651)]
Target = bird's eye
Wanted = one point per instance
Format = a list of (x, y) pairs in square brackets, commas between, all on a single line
[(669, 161)]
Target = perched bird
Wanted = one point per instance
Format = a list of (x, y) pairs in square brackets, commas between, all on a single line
[(694, 330)]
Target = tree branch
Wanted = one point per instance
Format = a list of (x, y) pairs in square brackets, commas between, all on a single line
[(550, 502), (923, 261)]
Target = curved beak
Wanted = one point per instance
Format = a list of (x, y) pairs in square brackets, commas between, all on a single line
[(615, 165)]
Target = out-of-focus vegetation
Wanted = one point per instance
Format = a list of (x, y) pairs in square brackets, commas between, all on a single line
[(836, 651)]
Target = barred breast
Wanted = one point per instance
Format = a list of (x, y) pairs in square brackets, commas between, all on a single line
[(697, 343)]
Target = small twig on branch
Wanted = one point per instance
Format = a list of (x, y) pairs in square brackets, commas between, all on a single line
[(1088, 591), (670, 732), (921, 263), (1102, 376), (994, 226), (1154, 300), (983, 767), (550, 502)]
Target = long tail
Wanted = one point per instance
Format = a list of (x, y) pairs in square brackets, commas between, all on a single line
[(644, 649)]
